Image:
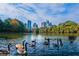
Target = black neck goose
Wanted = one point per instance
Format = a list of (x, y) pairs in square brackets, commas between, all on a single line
[(5, 52)]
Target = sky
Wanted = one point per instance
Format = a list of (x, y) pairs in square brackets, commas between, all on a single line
[(39, 12)]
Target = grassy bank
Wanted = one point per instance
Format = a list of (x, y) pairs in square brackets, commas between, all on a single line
[(10, 35), (59, 34), (18, 35)]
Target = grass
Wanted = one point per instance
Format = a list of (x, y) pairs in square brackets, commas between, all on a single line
[(57, 34), (18, 35), (10, 35)]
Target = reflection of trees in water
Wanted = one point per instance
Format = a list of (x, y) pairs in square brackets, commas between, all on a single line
[(71, 39), (72, 45)]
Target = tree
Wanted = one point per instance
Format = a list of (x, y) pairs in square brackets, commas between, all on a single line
[(66, 27), (1, 26), (14, 25)]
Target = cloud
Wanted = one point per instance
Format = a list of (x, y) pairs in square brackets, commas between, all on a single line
[(39, 12)]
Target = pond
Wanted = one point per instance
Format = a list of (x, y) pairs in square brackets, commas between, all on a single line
[(55, 46)]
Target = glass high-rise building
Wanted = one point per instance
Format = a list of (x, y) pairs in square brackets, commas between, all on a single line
[(35, 25), (29, 25), (46, 24)]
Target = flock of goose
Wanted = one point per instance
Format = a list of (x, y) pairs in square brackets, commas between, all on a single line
[(32, 44), (46, 42)]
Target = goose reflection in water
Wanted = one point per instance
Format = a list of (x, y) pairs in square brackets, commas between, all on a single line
[(72, 39)]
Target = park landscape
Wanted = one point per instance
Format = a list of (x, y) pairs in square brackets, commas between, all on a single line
[(39, 29)]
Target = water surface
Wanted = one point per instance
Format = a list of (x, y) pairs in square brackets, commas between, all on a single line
[(57, 46)]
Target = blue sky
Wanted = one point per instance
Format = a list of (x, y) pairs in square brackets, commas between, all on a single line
[(39, 12)]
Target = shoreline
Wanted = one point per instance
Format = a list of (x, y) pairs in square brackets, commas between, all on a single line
[(51, 34)]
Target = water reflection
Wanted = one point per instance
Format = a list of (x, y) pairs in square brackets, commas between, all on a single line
[(72, 39), (44, 45)]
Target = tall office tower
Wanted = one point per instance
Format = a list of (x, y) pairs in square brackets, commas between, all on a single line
[(35, 25), (29, 25)]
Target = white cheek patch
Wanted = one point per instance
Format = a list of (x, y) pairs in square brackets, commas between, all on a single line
[(21, 52)]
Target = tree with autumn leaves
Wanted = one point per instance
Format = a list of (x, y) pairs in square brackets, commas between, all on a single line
[(12, 25), (63, 28), (16, 26)]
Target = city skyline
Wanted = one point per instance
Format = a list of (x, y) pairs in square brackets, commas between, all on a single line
[(40, 12)]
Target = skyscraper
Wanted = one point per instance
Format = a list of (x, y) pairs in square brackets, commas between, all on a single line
[(29, 25), (43, 24), (35, 25), (46, 24), (50, 24)]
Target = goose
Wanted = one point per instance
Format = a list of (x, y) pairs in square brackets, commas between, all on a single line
[(47, 41), (20, 50), (25, 44), (5, 52), (33, 43), (61, 43), (56, 44)]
